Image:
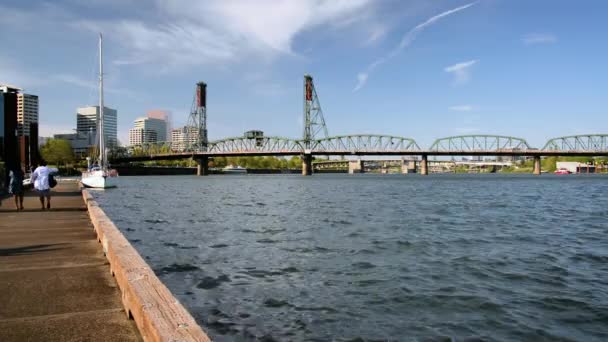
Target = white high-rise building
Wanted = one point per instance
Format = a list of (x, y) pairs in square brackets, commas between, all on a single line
[(148, 130), (138, 136), (27, 112), (184, 137), (88, 117)]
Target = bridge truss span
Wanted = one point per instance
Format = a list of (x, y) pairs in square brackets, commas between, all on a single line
[(364, 143), (578, 143), (479, 143), (252, 146)]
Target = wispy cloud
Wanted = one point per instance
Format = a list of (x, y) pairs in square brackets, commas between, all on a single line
[(406, 41), (539, 38), (92, 85), (13, 73), (461, 71), (361, 80), (233, 30), (462, 108)]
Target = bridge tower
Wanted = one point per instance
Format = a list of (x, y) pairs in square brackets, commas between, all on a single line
[(196, 129), (314, 123)]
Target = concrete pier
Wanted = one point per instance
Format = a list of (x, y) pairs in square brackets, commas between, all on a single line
[(537, 168), (55, 283), (202, 166), (424, 165), (306, 164), (356, 166), (70, 275), (408, 166)]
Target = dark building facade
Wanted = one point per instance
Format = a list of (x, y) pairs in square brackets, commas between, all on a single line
[(19, 138), (8, 138)]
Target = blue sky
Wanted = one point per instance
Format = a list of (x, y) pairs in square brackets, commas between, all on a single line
[(534, 69)]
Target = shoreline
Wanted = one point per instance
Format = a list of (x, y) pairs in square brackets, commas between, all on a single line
[(159, 316)]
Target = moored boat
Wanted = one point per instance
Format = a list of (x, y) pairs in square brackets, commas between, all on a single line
[(562, 171), (100, 176), (230, 169)]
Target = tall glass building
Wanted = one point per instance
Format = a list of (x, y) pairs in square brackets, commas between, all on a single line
[(87, 118)]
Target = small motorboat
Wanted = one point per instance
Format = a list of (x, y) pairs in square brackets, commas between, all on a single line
[(230, 169), (562, 171)]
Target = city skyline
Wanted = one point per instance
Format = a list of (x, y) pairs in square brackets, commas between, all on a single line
[(531, 70)]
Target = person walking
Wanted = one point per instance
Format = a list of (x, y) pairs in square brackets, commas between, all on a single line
[(15, 187), (40, 179)]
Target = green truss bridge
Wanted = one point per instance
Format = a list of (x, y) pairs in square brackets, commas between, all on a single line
[(316, 141)]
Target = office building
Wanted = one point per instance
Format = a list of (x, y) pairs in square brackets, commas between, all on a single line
[(166, 117), (19, 127), (148, 130), (8, 132), (138, 136), (81, 143), (27, 113), (184, 137), (86, 123)]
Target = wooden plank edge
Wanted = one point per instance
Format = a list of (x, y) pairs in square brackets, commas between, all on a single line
[(159, 316)]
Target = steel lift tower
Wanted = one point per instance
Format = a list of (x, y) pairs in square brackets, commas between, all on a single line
[(196, 129), (314, 123)]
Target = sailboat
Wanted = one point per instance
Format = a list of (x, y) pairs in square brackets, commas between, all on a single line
[(100, 175)]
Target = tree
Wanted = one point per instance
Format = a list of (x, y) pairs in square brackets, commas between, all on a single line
[(57, 151), (295, 162)]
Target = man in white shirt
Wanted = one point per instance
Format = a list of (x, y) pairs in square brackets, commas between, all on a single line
[(40, 179)]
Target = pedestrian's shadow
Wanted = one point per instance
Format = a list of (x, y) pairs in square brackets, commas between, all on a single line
[(29, 250), (11, 209), (54, 193)]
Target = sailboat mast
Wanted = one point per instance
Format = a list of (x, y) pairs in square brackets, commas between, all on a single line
[(101, 131)]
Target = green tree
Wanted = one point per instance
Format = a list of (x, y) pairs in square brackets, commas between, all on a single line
[(295, 162), (548, 164), (57, 152)]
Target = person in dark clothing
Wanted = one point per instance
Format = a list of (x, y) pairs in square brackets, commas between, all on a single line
[(15, 187)]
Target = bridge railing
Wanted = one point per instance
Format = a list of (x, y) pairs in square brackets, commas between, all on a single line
[(364, 143), (476, 143), (578, 143), (255, 145)]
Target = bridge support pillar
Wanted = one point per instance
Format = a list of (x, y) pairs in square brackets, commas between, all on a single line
[(408, 166), (306, 164), (537, 165), (356, 166), (202, 166), (424, 165)]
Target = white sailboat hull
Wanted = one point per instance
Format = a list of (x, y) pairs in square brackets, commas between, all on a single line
[(98, 180)]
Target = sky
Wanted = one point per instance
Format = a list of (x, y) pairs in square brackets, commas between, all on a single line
[(534, 69)]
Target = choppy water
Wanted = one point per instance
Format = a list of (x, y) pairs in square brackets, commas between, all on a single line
[(377, 257)]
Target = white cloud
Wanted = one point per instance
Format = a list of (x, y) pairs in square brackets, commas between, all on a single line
[(462, 108), (539, 38), (213, 31), (461, 71), (361, 80), (407, 39)]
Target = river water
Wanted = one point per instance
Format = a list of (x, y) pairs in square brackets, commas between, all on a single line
[(377, 257)]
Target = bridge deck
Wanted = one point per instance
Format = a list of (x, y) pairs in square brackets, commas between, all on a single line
[(55, 283), (522, 153)]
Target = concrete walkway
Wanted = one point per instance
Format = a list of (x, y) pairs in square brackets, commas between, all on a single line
[(55, 283)]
